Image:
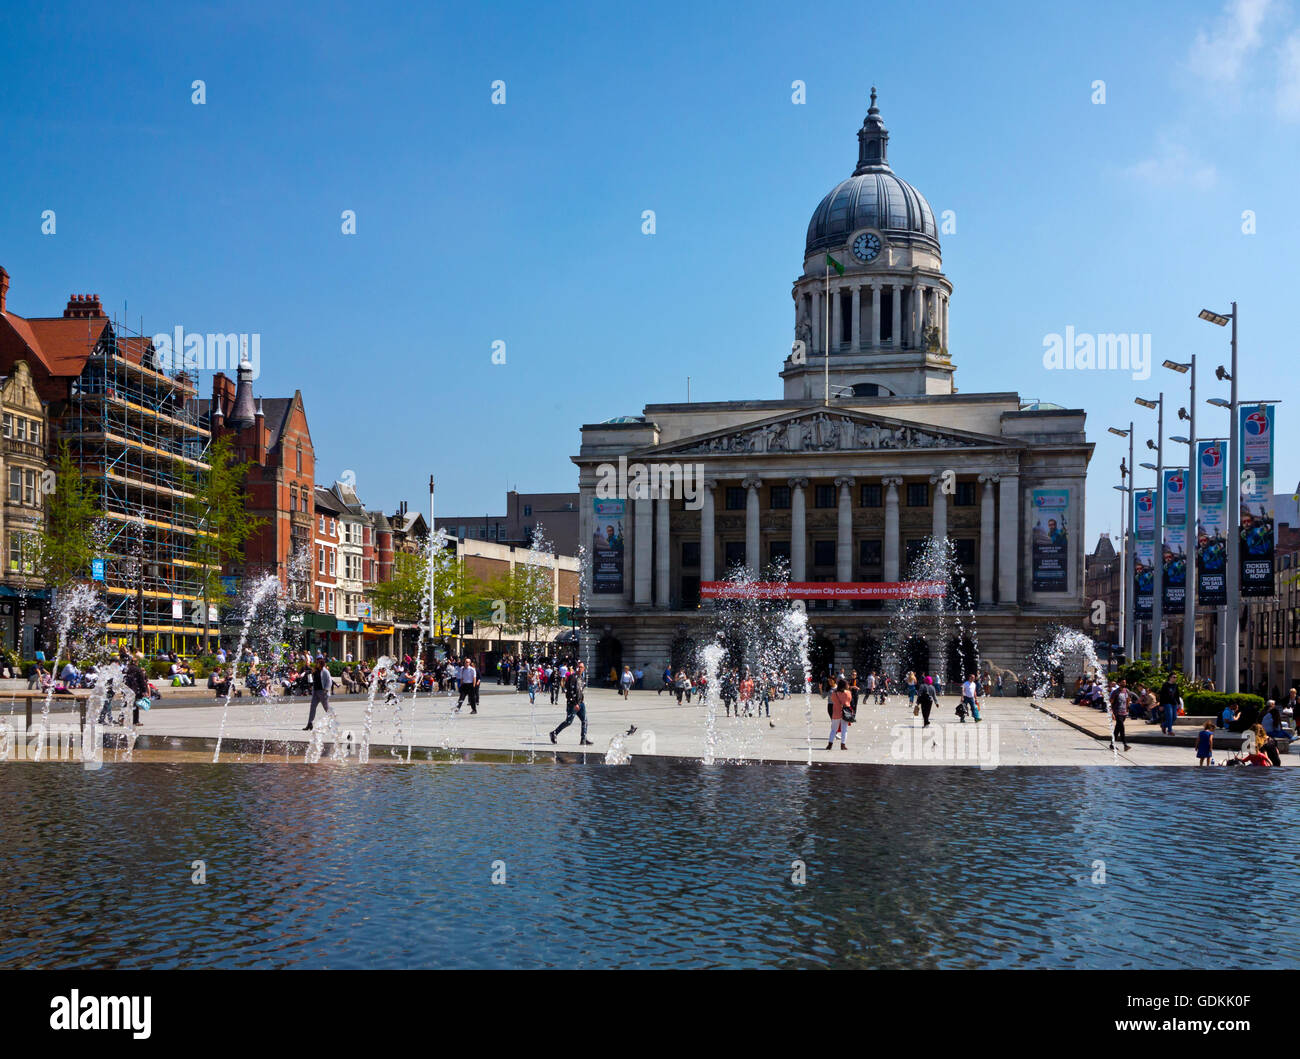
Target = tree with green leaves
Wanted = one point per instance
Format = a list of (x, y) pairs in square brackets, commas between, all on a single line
[(455, 592), (522, 600), (217, 505), (66, 545)]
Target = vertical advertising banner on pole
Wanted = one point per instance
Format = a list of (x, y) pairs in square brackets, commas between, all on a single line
[(1144, 551), (607, 546), (1256, 500), (1049, 534), (1211, 524), (1174, 549)]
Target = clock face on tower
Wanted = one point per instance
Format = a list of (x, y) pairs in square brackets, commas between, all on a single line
[(866, 246)]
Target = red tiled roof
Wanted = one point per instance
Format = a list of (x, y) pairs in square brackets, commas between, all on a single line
[(60, 345)]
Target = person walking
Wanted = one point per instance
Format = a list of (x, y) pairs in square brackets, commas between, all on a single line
[(840, 698), (911, 688), (322, 680), (970, 696), (1169, 699), (1119, 699), (1204, 744), (575, 704), (627, 680), (468, 679), (925, 700)]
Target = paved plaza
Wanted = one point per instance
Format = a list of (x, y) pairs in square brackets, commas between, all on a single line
[(1012, 732)]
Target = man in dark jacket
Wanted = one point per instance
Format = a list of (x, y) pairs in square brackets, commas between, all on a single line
[(1169, 700), (321, 682), (574, 687)]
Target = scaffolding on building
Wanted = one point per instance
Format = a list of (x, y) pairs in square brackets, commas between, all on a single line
[(134, 431)]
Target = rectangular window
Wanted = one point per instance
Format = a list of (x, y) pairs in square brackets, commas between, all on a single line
[(824, 496), (734, 553), (823, 553), (528, 510), (9, 425), (869, 552), (778, 552), (965, 494), (779, 498), (690, 553), (965, 550), (29, 488), (20, 428), (870, 496), (34, 432), (322, 525), (15, 485), (913, 552), (332, 562), (918, 494), (320, 559), (735, 499), (333, 533)]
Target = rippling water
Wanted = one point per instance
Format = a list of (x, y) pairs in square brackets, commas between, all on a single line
[(657, 864)]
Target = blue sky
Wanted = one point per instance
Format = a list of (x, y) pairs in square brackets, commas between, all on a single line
[(522, 223)]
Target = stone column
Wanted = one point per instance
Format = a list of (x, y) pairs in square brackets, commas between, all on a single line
[(642, 541), (798, 530), (837, 318), (1008, 538), (939, 507), (663, 569), (897, 301), (875, 315), (816, 321), (891, 527), (856, 323), (918, 331), (844, 535), (752, 563), (943, 338), (987, 538), (706, 532)]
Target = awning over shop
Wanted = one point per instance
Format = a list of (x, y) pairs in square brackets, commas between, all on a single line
[(349, 626), (312, 620)]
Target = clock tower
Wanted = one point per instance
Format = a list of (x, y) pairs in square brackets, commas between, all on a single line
[(872, 297)]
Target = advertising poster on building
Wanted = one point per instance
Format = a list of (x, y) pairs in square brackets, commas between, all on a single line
[(607, 546), (1050, 556), (1174, 549), (1211, 521), (1144, 551), (1256, 500)]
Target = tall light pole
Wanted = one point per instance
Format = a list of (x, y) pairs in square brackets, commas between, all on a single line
[(1189, 548), (433, 541), (1232, 584), (1158, 584), (1127, 604)]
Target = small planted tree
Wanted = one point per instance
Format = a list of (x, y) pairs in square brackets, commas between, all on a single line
[(217, 504)]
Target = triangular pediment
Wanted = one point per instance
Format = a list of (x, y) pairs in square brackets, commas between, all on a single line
[(826, 430)]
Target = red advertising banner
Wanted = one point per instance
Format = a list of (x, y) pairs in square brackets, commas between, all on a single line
[(822, 590)]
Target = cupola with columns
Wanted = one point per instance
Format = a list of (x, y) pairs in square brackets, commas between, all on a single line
[(884, 319)]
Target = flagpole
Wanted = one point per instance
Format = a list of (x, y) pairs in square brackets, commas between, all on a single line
[(827, 331)]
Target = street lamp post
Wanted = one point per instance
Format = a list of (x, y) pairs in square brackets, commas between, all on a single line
[(1158, 580), (1190, 491), (1231, 651), (1127, 592)]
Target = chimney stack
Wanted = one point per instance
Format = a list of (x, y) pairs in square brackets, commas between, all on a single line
[(83, 307), (4, 287)]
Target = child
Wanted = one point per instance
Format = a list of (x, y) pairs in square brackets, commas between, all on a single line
[(1205, 744)]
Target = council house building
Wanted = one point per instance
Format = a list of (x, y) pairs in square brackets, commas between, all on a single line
[(848, 489)]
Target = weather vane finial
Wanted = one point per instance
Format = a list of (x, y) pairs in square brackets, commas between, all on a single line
[(873, 97)]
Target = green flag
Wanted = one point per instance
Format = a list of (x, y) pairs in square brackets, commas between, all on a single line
[(839, 269)]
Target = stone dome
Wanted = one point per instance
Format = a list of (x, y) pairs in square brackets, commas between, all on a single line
[(873, 197)]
